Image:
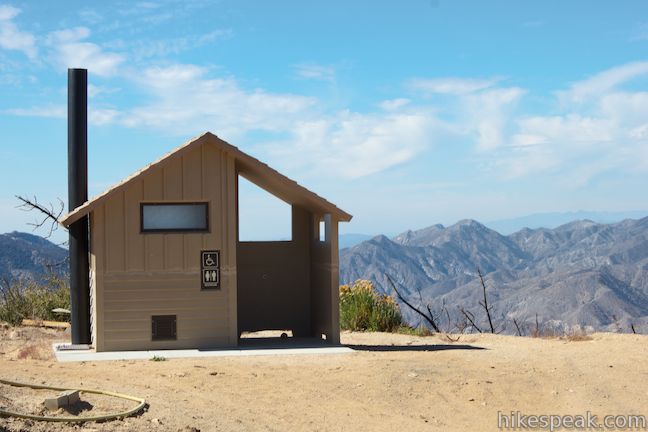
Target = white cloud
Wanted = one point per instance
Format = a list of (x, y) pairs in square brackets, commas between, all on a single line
[(600, 129), (393, 104), (603, 82), (527, 140), (315, 71), (488, 114), (569, 130), (450, 85), (96, 116), (353, 145), (627, 107), (90, 16), (99, 116), (48, 111), (95, 90), (577, 147), (144, 49), (11, 38), (71, 51), (8, 12), (185, 100)]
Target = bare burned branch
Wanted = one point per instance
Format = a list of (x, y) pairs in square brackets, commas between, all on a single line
[(485, 303), (48, 213), (470, 318), (517, 327), (430, 319)]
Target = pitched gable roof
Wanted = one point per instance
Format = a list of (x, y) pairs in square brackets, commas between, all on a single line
[(252, 169)]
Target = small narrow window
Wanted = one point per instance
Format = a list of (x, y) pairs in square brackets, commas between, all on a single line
[(174, 217), (322, 231)]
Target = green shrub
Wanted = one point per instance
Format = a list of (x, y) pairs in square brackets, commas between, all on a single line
[(414, 331), (27, 299), (363, 309)]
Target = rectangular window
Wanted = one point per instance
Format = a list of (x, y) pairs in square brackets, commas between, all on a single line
[(322, 231), (174, 217)]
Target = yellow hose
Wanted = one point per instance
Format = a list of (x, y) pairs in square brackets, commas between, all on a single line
[(100, 418)]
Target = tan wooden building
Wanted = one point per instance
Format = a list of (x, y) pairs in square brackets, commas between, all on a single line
[(167, 269)]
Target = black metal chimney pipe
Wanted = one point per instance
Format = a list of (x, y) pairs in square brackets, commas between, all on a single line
[(77, 195)]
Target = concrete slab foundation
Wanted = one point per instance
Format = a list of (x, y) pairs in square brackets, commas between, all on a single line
[(248, 348)]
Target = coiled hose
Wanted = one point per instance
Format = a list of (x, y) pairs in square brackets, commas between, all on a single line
[(100, 418)]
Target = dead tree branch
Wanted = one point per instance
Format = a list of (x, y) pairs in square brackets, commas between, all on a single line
[(536, 332), (484, 304), (49, 214), (430, 319), (471, 319), (517, 326), (447, 313)]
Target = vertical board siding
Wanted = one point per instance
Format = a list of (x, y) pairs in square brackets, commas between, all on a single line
[(173, 243), (154, 243), (97, 253), (192, 188), (115, 232), (135, 251), (148, 274), (212, 188)]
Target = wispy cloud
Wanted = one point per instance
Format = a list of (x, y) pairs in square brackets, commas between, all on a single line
[(48, 111), (315, 71), (603, 82), (11, 38), (488, 113), (160, 48), (96, 116), (353, 145), (185, 98), (596, 126), (394, 104), (69, 49), (90, 16), (136, 8), (600, 129), (450, 85)]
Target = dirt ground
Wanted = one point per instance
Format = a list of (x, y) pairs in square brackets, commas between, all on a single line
[(392, 382)]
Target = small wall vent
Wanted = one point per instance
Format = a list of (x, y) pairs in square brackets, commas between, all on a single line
[(163, 327)]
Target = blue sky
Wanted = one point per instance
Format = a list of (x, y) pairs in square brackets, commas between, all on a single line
[(404, 113)]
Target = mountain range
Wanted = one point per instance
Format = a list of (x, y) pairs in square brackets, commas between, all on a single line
[(26, 256), (578, 274)]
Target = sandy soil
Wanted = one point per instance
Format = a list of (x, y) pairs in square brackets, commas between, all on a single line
[(392, 382)]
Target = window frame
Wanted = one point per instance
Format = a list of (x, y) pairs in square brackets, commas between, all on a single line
[(204, 204)]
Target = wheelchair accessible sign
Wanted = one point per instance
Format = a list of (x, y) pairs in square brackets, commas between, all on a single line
[(210, 269)]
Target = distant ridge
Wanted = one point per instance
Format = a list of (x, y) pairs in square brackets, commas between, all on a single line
[(579, 273), (27, 256), (553, 220), (351, 239)]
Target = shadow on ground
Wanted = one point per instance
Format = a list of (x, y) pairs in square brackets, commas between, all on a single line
[(410, 348), (78, 408)]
